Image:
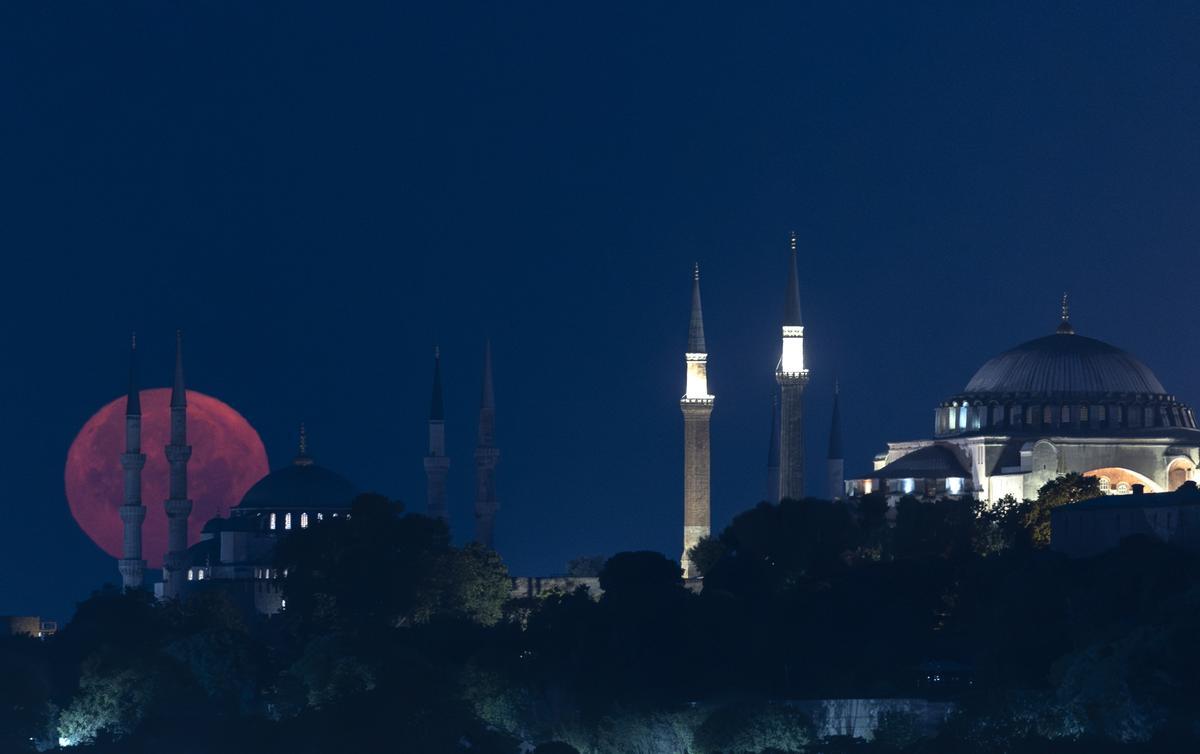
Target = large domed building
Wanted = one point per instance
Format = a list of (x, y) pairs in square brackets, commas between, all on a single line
[(1057, 404), (236, 554)]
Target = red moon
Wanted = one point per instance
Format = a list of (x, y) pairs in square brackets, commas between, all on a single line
[(227, 458)]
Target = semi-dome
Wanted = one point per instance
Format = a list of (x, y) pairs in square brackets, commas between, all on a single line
[(302, 485), (1064, 364)]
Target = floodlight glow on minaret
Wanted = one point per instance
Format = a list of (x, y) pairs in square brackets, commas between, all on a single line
[(696, 405), (791, 357), (696, 356)]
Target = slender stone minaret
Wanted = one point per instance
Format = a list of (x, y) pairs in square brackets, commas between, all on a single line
[(133, 513), (773, 452), (836, 462), (437, 465), (697, 406), (792, 376), (178, 506), (486, 458)]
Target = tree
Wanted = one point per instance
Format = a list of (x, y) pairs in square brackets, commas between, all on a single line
[(1064, 490), (585, 566), (706, 554), (753, 726), (637, 576)]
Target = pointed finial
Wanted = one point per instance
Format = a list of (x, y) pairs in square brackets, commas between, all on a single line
[(303, 458), (437, 352), (436, 412), (178, 391), (1065, 327), (837, 389), (133, 399), (133, 341), (791, 309)]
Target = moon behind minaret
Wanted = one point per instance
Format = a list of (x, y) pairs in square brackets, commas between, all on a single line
[(227, 458)]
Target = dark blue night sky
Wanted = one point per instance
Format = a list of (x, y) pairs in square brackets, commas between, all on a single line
[(319, 193)]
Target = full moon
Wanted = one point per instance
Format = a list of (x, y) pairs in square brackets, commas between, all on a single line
[(227, 458)]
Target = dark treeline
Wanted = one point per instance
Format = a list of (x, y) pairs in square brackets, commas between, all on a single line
[(394, 640)]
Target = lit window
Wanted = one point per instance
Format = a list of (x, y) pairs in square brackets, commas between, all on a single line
[(287, 521), (1122, 489), (1105, 485), (320, 516), (908, 486), (954, 485), (303, 520), (283, 604), (200, 575), (953, 419), (962, 416), (191, 574), (272, 524)]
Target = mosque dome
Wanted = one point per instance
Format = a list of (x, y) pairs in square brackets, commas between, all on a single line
[(1064, 364), (301, 485), (1063, 383)]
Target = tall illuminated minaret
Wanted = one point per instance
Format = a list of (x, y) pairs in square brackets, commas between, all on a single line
[(487, 455), (697, 406), (178, 506), (792, 376), (437, 465), (133, 513), (836, 463), (773, 453)]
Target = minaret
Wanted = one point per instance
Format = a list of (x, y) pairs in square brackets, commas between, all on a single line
[(697, 406), (836, 462), (792, 377), (178, 506), (486, 457), (773, 452), (437, 465), (133, 513)]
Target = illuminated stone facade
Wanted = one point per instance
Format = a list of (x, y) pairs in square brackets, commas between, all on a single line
[(696, 405), (1057, 404)]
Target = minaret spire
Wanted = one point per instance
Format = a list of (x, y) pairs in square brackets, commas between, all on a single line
[(792, 376), (133, 513), (437, 464), (836, 461), (178, 506), (696, 405), (486, 458)]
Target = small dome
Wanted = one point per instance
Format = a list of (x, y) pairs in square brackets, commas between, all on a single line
[(303, 484), (1064, 364)]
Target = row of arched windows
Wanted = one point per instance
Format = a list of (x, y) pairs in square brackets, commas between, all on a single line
[(962, 417)]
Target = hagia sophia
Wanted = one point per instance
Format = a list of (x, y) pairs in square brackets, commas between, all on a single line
[(1056, 404)]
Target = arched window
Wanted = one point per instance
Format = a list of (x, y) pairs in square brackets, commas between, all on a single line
[(1048, 415), (953, 418), (303, 520), (1123, 488), (287, 521), (1014, 416), (200, 574), (1101, 413), (1105, 485), (997, 414), (1149, 416), (191, 574), (1083, 414), (1135, 416), (272, 525), (962, 416), (1030, 414)]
